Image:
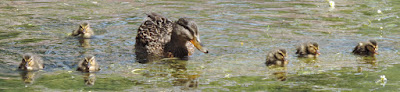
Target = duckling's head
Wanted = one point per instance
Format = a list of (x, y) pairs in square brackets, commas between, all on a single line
[(373, 47), (187, 30), (84, 27), (313, 48), (89, 63), (27, 63), (280, 54)]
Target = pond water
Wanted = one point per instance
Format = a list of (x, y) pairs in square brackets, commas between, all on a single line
[(237, 33)]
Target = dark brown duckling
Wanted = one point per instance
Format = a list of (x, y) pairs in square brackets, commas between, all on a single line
[(84, 31), (31, 63), (160, 37), (369, 48), (276, 57), (308, 49), (89, 64)]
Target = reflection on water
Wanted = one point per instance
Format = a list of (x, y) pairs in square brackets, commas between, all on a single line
[(85, 43), (280, 73), (309, 60), (280, 76), (368, 60), (28, 77), (176, 69), (89, 78)]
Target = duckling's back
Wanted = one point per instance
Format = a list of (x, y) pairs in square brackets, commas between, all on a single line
[(151, 37)]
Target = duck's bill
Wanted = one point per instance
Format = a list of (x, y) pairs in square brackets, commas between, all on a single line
[(198, 45)]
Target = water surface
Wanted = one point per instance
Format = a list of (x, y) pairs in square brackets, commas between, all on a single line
[(237, 33)]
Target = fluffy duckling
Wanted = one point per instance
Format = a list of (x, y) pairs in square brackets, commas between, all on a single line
[(308, 49), (157, 36), (89, 64), (369, 48), (31, 63), (276, 57), (84, 30)]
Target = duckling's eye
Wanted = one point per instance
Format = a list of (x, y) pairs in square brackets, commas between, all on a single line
[(283, 55)]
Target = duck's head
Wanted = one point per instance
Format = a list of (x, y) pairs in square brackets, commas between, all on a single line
[(84, 27), (373, 47), (313, 48), (89, 63), (27, 63), (187, 30), (281, 54)]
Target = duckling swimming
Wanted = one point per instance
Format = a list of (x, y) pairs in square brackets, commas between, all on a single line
[(89, 64), (369, 48), (276, 57), (308, 49), (31, 63), (160, 37), (84, 31)]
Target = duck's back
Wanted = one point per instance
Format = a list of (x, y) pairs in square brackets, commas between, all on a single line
[(152, 35)]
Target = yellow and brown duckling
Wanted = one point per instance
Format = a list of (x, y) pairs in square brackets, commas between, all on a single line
[(31, 63), (308, 49), (277, 58), (369, 48), (84, 31), (160, 37), (89, 64)]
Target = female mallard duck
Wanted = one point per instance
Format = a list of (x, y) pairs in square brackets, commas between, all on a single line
[(89, 64), (31, 63), (308, 49), (160, 37), (369, 48), (276, 57), (84, 30)]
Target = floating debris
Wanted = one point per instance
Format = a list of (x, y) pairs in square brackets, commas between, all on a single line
[(331, 4), (228, 75), (134, 71), (382, 81), (379, 11)]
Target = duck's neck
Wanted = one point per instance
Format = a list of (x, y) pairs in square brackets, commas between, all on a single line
[(176, 48)]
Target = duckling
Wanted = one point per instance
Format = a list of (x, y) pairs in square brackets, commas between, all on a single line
[(89, 64), (31, 63), (160, 37), (369, 48), (276, 57), (308, 49), (84, 30)]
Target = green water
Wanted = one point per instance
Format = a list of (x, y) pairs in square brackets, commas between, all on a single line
[(237, 33)]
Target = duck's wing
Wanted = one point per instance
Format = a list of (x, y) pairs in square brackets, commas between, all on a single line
[(153, 34)]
